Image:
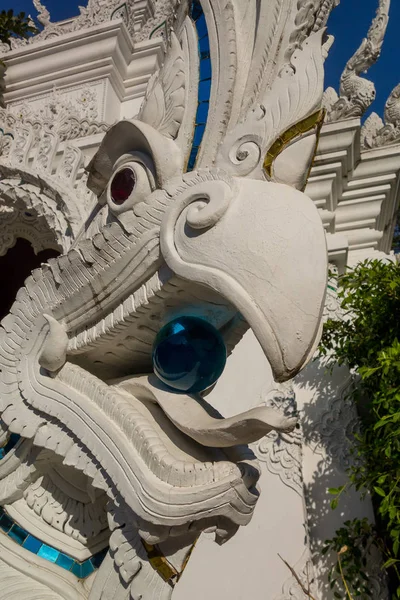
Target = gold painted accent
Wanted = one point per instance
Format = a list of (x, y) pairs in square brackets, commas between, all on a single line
[(163, 566), (160, 563), (318, 135), (185, 562), (313, 121)]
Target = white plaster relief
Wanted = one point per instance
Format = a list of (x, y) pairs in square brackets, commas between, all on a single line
[(81, 519), (304, 570), (282, 451), (333, 432), (136, 14), (70, 113), (18, 222), (376, 133), (356, 93), (34, 207)]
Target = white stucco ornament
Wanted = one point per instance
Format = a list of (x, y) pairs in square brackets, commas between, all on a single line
[(357, 93), (200, 211)]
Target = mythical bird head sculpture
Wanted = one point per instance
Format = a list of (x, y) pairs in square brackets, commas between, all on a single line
[(200, 212)]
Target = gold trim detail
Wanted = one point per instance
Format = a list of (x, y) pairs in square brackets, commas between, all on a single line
[(313, 121), (161, 564)]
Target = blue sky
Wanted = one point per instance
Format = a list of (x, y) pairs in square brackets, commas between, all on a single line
[(349, 23)]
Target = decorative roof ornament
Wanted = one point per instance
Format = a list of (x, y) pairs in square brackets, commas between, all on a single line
[(375, 132), (96, 12), (357, 93), (43, 14), (160, 21), (323, 14)]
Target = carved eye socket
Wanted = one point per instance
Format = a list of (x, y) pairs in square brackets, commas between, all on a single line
[(122, 186), (132, 182)]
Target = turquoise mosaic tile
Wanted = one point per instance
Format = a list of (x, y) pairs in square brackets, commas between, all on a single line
[(77, 570), (64, 561), (33, 544), (87, 569), (5, 523), (18, 534), (98, 558), (48, 553)]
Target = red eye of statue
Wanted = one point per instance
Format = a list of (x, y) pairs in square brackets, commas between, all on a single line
[(122, 185)]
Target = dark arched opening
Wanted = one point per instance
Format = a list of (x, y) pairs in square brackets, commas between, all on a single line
[(15, 267)]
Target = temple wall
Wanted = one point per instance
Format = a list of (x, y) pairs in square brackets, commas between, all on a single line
[(248, 566)]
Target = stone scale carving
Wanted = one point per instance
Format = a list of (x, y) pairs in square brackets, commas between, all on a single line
[(199, 210), (356, 93)]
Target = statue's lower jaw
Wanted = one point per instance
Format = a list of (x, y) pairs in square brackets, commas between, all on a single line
[(164, 477), (198, 420)]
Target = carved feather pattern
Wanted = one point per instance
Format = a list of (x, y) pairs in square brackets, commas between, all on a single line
[(281, 27), (294, 95), (297, 92), (257, 74), (163, 106)]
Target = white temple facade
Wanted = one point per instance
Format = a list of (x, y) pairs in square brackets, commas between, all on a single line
[(249, 178)]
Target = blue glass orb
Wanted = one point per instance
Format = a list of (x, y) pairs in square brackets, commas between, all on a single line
[(189, 354)]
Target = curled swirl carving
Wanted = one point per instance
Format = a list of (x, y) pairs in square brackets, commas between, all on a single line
[(245, 154), (203, 200)]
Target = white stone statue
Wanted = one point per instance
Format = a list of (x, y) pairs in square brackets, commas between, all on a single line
[(200, 213)]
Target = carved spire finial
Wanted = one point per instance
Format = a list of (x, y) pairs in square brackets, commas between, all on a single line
[(43, 13), (358, 93)]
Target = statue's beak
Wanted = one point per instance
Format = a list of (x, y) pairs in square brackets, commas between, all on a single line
[(265, 252)]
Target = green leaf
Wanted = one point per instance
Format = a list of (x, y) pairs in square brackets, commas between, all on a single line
[(390, 562), (334, 503), (396, 545), (335, 491), (382, 422), (379, 491)]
